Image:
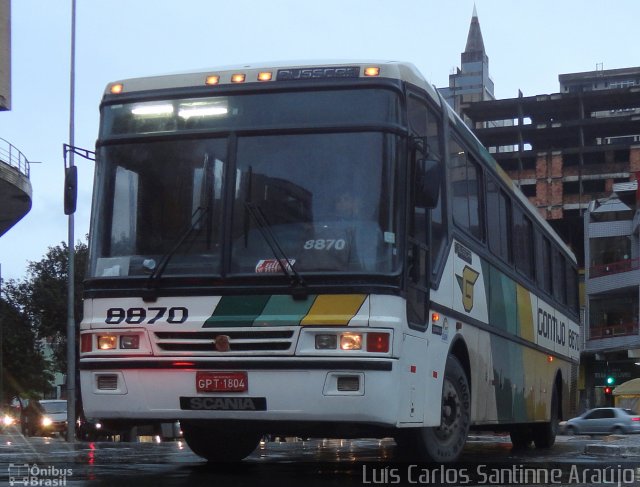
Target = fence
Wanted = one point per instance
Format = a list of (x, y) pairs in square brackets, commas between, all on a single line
[(10, 155)]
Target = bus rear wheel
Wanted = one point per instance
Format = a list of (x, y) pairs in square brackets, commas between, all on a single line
[(544, 435), (444, 443), (219, 444)]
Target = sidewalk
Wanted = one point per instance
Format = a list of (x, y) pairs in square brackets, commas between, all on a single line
[(615, 445)]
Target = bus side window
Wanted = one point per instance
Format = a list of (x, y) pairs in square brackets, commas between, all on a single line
[(559, 277), (498, 221), (465, 179), (523, 248), (544, 275)]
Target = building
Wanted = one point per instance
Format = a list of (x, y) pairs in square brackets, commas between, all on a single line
[(471, 81), (564, 149), (15, 186), (611, 353), (5, 55)]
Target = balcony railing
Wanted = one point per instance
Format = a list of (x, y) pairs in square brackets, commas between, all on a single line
[(10, 155), (610, 331), (614, 268)]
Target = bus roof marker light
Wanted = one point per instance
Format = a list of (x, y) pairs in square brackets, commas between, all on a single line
[(214, 79), (265, 76), (372, 71), (116, 88), (238, 78)]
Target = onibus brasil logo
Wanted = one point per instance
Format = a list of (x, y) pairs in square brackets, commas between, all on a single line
[(35, 475)]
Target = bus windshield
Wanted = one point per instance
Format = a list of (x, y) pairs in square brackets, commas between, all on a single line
[(208, 205)]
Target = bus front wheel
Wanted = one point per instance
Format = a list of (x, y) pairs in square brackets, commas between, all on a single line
[(218, 444), (444, 443)]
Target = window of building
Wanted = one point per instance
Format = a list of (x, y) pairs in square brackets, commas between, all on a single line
[(613, 314)]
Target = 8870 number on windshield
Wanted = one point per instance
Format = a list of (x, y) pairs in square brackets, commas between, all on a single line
[(149, 316)]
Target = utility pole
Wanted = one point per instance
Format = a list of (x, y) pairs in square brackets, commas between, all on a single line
[(1, 347), (71, 321)]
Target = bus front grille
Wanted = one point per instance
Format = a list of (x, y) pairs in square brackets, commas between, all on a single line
[(239, 342)]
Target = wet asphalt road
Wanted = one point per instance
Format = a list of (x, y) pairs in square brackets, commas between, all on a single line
[(487, 460)]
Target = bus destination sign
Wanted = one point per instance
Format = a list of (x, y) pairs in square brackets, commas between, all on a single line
[(318, 73)]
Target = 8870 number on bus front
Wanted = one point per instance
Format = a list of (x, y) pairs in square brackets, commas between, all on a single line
[(149, 316)]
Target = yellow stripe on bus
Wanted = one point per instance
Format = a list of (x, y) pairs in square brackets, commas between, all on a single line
[(334, 309)]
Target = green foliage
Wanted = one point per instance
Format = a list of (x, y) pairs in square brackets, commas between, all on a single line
[(41, 298), (25, 371)]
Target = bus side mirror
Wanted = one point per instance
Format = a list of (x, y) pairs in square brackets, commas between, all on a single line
[(428, 180), (70, 189)]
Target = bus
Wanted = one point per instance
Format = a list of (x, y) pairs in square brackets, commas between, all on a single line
[(318, 250)]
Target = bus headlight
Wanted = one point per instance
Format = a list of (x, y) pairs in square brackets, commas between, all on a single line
[(362, 341), (107, 342), (130, 342), (351, 341), (326, 342)]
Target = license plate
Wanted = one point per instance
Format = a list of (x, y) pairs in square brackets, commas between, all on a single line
[(221, 381)]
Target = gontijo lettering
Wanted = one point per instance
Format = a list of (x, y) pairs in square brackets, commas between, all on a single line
[(551, 328)]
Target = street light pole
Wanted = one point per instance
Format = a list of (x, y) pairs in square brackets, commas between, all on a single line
[(71, 322), (1, 347)]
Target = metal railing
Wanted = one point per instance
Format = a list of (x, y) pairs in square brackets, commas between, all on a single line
[(9, 154), (614, 267), (610, 331)]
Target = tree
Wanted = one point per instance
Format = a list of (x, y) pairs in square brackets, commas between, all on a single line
[(25, 372), (42, 297)]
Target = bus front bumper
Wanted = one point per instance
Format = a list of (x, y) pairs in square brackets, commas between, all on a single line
[(363, 391)]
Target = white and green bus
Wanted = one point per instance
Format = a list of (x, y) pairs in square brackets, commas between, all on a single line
[(320, 251)]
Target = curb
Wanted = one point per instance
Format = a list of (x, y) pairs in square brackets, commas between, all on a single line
[(613, 450)]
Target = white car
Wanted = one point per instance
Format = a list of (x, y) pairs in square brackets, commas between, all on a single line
[(601, 421)]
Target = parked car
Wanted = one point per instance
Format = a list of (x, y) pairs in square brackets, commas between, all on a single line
[(44, 417), (604, 421)]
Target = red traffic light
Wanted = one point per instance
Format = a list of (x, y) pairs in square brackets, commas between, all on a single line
[(607, 390)]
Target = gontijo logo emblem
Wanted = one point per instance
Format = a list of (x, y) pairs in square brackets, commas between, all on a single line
[(466, 282)]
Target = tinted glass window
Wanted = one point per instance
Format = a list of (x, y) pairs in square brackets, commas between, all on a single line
[(559, 277), (523, 242), (464, 176), (543, 272), (252, 111), (498, 221)]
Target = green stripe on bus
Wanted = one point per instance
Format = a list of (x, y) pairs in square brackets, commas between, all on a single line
[(283, 310), (237, 311)]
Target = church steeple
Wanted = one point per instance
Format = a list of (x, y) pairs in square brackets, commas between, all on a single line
[(471, 81), (474, 50), (474, 38)]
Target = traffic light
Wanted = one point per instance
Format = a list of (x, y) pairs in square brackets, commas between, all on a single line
[(607, 391), (610, 380)]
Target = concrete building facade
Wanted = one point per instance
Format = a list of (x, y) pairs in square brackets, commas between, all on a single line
[(5, 54), (612, 285), (565, 149), (15, 185)]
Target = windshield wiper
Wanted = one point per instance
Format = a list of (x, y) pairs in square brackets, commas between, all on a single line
[(298, 286), (203, 209)]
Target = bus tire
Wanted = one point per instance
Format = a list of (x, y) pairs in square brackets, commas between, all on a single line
[(444, 443), (544, 435), (520, 437), (219, 444)]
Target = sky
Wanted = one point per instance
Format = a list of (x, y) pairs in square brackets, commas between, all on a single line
[(529, 43)]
